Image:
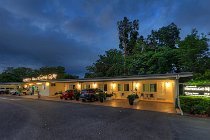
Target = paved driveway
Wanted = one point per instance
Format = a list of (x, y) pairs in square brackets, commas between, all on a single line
[(122, 103), (25, 119)]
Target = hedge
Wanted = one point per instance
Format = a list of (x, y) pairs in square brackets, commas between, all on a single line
[(195, 105)]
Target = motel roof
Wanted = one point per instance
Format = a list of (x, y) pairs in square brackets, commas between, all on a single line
[(123, 78)]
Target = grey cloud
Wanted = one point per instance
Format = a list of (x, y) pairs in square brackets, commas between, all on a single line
[(72, 33), (193, 14)]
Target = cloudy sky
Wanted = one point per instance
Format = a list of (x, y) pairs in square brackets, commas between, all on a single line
[(72, 33)]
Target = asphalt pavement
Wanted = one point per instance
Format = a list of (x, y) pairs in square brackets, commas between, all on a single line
[(29, 119)]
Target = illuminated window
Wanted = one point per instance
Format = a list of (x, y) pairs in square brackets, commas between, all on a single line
[(72, 87), (145, 87), (101, 87), (88, 86), (153, 87), (126, 87), (120, 87)]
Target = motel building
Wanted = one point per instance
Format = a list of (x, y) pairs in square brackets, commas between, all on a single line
[(154, 87), (10, 86)]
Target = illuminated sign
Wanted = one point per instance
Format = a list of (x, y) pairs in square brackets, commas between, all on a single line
[(41, 77), (197, 90)]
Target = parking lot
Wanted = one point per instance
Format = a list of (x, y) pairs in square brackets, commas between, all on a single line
[(120, 103), (39, 119)]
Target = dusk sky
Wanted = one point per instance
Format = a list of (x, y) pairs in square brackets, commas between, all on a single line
[(72, 33)]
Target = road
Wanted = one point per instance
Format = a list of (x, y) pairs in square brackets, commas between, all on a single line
[(24, 119)]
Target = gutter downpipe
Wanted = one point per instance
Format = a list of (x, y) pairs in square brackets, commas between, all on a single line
[(177, 94)]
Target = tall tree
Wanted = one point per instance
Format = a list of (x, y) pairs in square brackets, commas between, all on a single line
[(194, 53), (128, 34)]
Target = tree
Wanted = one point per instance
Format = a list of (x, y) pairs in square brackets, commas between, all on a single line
[(110, 64), (17, 74), (128, 34), (194, 53), (161, 52), (11, 74), (165, 36)]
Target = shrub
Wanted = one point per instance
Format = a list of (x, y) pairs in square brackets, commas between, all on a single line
[(133, 96), (208, 111), (77, 95), (109, 95), (195, 105)]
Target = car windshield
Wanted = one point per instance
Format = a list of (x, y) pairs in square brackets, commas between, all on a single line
[(84, 91)]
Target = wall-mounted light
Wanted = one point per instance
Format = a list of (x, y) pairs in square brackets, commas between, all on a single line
[(94, 85), (38, 83), (25, 86), (113, 85), (47, 83), (167, 84), (136, 85), (79, 86), (30, 84)]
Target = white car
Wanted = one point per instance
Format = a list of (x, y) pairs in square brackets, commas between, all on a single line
[(14, 92)]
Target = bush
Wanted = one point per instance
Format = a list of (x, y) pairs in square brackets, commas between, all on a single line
[(195, 105), (109, 95), (208, 111), (133, 96)]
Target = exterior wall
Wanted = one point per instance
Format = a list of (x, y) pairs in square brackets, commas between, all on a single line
[(9, 86), (42, 87), (165, 88), (58, 87)]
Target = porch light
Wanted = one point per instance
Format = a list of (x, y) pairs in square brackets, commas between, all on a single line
[(113, 85), (38, 83), (136, 85), (94, 85), (167, 84), (47, 83), (79, 86)]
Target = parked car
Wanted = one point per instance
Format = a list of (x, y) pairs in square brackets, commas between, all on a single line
[(58, 93), (69, 94), (14, 92), (90, 94), (26, 92), (2, 90), (6, 91)]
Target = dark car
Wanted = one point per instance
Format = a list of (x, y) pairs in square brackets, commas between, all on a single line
[(68, 94), (2, 91), (90, 94)]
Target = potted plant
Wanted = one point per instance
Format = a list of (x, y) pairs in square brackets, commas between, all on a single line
[(77, 95), (102, 96), (132, 98), (109, 96)]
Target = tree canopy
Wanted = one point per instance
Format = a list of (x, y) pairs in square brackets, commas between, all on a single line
[(11, 74), (162, 51)]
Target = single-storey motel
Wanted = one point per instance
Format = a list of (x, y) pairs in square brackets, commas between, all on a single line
[(10, 86), (154, 87)]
